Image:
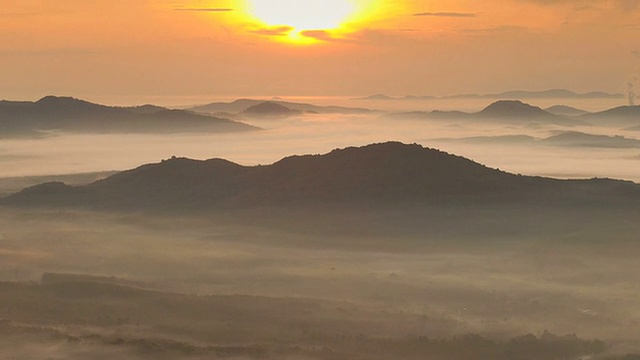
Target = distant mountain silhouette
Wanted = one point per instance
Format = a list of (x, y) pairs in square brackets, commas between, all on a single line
[(514, 109), (269, 109), (619, 116), (510, 111), (567, 138), (420, 97), (382, 97), (493, 140), (564, 110), (545, 94), (238, 106), (377, 97), (575, 138), (510, 95), (66, 114), (379, 176)]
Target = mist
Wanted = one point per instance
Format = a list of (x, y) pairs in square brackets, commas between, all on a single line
[(305, 283), (320, 133)]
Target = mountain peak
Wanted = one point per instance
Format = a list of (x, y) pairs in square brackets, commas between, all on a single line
[(513, 108), (268, 108), (52, 99), (383, 174)]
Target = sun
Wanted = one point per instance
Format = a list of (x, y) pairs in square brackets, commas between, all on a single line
[(305, 21)]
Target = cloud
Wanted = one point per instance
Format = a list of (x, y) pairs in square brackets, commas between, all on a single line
[(274, 31), (317, 34), (205, 9), (622, 5), (447, 14), (628, 5), (323, 35)]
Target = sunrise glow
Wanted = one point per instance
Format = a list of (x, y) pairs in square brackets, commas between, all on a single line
[(311, 21)]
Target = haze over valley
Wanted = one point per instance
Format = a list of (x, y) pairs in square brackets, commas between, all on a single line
[(319, 180)]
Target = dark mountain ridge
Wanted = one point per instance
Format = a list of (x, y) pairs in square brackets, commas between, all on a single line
[(509, 111), (564, 110), (514, 109), (68, 114), (619, 116), (380, 176), (240, 105), (575, 138), (269, 109), (514, 94)]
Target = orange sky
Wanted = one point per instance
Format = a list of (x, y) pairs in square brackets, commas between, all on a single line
[(130, 49)]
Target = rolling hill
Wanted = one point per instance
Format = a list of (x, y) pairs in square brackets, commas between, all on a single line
[(564, 110), (65, 114), (619, 116), (575, 138), (387, 175), (240, 105), (269, 109), (503, 111), (515, 94)]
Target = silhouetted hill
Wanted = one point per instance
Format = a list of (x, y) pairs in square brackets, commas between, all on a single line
[(241, 105), (503, 111), (567, 138), (564, 110), (619, 116), (575, 138), (418, 97), (379, 175), (514, 109), (65, 114), (545, 94), (269, 109), (511, 95), (382, 97), (494, 140)]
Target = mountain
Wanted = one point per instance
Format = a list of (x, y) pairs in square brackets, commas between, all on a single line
[(564, 110), (493, 140), (66, 114), (416, 97), (619, 116), (567, 138), (382, 97), (240, 105), (545, 94), (575, 138), (511, 95), (514, 109), (376, 176), (510, 111), (269, 109)]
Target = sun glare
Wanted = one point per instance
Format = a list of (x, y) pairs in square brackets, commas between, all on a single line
[(307, 21)]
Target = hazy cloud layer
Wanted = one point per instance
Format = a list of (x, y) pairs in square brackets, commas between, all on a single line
[(205, 9), (447, 14)]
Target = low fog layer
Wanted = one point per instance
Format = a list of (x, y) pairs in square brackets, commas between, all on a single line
[(367, 285), (310, 132), (493, 280)]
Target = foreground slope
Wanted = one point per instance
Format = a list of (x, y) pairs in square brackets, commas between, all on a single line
[(91, 319), (383, 175), (66, 114)]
